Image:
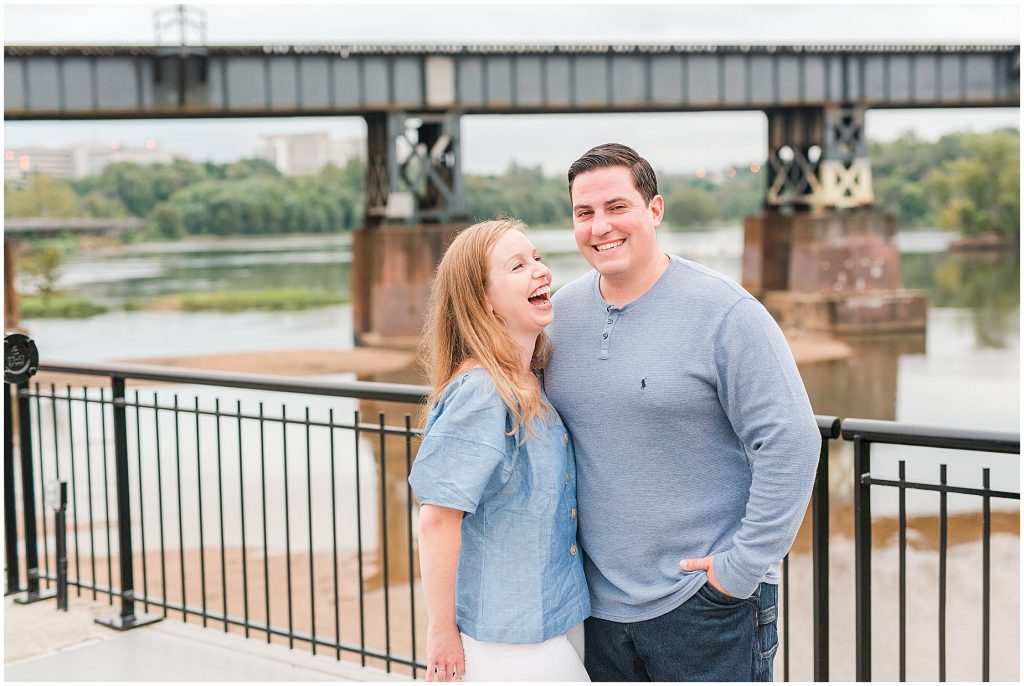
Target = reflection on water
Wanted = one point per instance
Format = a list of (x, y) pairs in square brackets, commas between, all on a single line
[(987, 284)]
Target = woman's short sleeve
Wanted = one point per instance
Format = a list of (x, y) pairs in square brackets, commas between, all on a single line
[(464, 445)]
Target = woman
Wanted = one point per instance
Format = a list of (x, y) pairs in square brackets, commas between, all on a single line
[(495, 474)]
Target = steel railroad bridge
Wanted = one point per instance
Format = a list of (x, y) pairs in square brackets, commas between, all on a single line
[(412, 98)]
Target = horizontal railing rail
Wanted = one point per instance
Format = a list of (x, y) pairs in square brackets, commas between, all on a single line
[(897, 433), (362, 390), (263, 499)]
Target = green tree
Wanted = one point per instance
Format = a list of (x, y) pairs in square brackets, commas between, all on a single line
[(41, 263), (44, 196), (980, 193), (689, 207), (167, 221)]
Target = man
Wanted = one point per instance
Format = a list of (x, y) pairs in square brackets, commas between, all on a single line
[(695, 443)]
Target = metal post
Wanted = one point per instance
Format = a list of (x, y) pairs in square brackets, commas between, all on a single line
[(127, 619), (10, 521), (28, 502), (819, 542), (61, 532), (862, 554)]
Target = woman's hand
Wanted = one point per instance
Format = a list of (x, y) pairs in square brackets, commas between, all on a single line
[(445, 659)]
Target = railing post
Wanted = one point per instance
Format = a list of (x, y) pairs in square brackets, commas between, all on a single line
[(10, 521), (862, 554), (820, 557), (61, 532), (28, 502), (127, 619)]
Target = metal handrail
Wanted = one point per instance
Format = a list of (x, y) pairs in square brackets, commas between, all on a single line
[(898, 433), (362, 390)]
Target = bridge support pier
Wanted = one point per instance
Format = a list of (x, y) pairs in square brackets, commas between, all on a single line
[(818, 255), (392, 269), (414, 206), (830, 270)]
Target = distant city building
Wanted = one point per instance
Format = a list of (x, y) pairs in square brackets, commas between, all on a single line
[(79, 160), (307, 153)]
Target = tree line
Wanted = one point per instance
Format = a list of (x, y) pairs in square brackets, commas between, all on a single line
[(964, 181)]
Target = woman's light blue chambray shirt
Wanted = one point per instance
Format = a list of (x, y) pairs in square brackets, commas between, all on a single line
[(520, 577)]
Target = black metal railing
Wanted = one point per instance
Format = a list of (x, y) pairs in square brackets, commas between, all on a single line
[(297, 529), (194, 535), (864, 434)]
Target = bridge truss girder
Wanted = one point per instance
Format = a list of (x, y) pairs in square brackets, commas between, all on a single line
[(817, 158), (414, 170)]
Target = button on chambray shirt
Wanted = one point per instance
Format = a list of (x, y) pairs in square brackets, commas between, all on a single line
[(520, 577)]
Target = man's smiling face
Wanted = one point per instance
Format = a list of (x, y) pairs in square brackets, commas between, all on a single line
[(614, 227)]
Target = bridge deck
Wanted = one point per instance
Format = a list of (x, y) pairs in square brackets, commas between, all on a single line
[(114, 82)]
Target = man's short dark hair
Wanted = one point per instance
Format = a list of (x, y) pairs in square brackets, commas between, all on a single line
[(617, 155)]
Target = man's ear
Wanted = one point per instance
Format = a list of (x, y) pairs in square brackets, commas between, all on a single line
[(657, 208)]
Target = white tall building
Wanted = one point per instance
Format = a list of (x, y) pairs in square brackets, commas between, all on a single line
[(303, 154), (79, 160)]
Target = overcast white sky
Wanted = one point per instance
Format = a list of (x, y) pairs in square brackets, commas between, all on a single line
[(678, 142)]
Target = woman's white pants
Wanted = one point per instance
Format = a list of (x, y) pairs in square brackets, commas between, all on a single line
[(556, 659)]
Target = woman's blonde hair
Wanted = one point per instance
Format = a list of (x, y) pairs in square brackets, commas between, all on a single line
[(461, 326)]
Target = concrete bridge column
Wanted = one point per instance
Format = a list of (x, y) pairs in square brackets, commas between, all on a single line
[(818, 255), (415, 205)]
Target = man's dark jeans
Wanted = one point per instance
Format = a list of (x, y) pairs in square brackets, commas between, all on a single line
[(710, 637)]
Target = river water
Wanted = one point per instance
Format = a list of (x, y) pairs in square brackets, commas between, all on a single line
[(963, 373)]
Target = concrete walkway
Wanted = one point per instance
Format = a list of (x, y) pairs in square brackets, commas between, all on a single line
[(42, 644)]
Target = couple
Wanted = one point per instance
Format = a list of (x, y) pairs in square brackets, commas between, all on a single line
[(674, 393)]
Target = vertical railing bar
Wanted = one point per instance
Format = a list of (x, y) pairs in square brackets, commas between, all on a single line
[(862, 557), (42, 490), (943, 540), (220, 507), (241, 500), (88, 490), (820, 562), (181, 510), (309, 523), (160, 502), (287, 526), (199, 499), (334, 539), (986, 579), (408, 512), (57, 471), (359, 549), (74, 488), (106, 493), (903, 569), (263, 491), (384, 541), (142, 516), (785, 617)]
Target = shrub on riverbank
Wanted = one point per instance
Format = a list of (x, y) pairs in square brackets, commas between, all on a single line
[(58, 307), (283, 299), (238, 301)]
